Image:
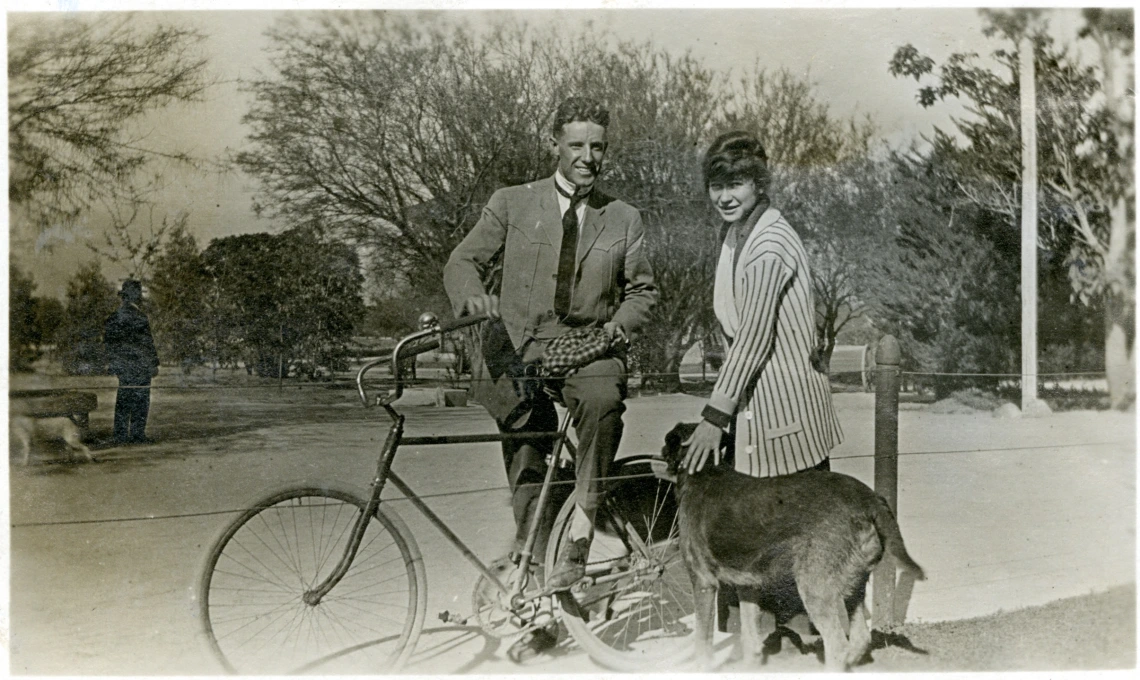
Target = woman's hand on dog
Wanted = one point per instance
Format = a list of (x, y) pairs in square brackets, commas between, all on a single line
[(704, 442)]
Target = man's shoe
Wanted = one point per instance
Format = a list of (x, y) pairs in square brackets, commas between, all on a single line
[(571, 565), (532, 643)]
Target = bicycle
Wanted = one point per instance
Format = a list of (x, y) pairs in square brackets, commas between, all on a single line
[(314, 573)]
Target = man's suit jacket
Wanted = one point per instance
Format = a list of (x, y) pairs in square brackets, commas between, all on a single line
[(785, 419), (130, 346), (522, 225)]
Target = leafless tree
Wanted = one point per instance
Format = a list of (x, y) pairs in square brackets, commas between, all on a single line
[(79, 89), (394, 134)]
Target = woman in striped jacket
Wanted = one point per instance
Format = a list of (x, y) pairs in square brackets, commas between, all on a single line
[(772, 397)]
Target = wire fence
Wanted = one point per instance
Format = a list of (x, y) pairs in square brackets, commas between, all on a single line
[(451, 381), (269, 383), (506, 488)]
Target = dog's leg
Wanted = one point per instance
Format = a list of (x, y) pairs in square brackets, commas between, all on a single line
[(26, 444), (751, 642), (72, 437), (858, 636), (705, 596), (829, 613)]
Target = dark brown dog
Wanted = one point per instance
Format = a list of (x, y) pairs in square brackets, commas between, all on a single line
[(804, 542)]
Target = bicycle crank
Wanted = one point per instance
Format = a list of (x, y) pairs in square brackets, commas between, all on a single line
[(495, 613)]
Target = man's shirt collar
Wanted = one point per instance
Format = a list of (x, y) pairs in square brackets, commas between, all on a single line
[(567, 186)]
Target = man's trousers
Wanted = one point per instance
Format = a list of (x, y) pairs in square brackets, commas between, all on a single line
[(132, 405), (594, 395)]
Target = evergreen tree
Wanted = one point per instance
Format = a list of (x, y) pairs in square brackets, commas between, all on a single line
[(90, 300)]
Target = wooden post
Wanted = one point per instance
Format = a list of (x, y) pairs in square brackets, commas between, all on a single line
[(887, 359), (1028, 225)]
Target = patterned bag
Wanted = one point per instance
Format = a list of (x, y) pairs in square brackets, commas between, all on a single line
[(575, 349)]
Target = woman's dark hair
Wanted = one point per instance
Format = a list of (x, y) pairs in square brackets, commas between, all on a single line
[(736, 155), (575, 109)]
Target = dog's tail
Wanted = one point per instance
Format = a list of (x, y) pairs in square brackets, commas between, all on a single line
[(889, 534)]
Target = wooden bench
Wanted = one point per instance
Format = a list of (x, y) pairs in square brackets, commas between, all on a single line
[(52, 404)]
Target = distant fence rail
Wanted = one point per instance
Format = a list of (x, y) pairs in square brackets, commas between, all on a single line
[(851, 361)]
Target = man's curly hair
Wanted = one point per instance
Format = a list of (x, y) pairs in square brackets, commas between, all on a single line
[(575, 109)]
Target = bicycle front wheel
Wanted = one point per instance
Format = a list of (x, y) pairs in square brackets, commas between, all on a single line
[(634, 611), (258, 570)]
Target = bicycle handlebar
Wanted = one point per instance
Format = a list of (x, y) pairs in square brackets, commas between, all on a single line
[(462, 322), (429, 325)]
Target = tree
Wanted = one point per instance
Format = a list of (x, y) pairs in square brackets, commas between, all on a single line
[(799, 132), (78, 88), (241, 310), (846, 216), (33, 321), (320, 301), (49, 319), (941, 283), (281, 304), (1085, 166), (397, 138), (1113, 32), (825, 183), (23, 332), (179, 290), (132, 244), (665, 108), (394, 134), (90, 300)]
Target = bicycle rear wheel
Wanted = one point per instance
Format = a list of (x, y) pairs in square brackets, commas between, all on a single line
[(635, 609), (256, 573)]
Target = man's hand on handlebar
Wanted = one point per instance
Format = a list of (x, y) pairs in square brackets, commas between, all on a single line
[(477, 305)]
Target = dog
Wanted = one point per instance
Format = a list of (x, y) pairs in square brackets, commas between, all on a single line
[(27, 428), (800, 543)]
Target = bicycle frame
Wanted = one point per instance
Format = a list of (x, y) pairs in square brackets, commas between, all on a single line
[(395, 438)]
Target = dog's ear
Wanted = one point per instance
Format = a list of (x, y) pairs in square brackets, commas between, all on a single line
[(673, 440), (674, 448)]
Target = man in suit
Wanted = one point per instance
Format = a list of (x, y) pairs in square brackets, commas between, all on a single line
[(132, 357), (570, 256)]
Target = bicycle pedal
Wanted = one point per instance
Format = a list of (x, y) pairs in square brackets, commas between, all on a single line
[(451, 617)]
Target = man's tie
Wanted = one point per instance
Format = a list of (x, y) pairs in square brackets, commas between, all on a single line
[(567, 255)]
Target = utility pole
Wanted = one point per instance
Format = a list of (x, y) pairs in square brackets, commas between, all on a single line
[(1028, 225)]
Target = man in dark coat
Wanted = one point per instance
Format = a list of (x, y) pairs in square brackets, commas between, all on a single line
[(132, 357)]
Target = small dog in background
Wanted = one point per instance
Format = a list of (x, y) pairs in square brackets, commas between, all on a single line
[(805, 542), (26, 429)]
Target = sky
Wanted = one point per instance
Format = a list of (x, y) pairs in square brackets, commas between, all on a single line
[(843, 51)]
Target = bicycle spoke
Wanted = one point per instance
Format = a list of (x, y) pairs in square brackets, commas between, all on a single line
[(641, 619), (256, 616)]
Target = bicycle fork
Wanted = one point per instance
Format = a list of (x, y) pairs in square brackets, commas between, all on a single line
[(383, 470)]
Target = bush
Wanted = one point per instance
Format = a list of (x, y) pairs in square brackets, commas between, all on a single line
[(90, 300)]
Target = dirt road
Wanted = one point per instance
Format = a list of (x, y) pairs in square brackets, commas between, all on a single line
[(104, 558)]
